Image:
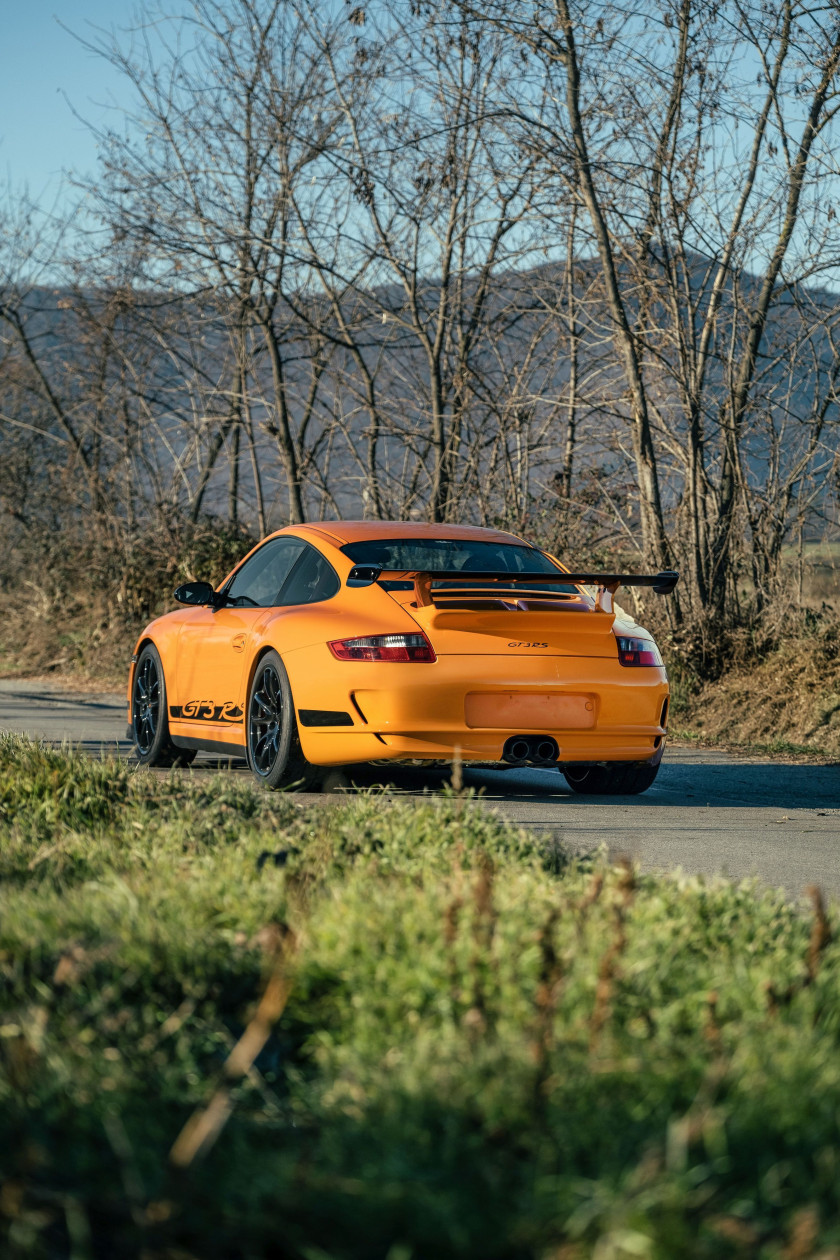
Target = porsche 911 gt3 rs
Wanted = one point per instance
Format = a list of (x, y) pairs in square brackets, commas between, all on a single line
[(345, 642)]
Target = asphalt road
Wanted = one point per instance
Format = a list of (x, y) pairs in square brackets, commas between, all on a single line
[(707, 812)]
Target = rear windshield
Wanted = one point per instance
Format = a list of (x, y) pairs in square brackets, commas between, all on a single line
[(464, 554)]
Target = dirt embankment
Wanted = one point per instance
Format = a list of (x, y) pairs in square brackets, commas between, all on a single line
[(82, 647), (787, 702)]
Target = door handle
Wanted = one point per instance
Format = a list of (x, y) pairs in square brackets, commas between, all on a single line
[(238, 642)]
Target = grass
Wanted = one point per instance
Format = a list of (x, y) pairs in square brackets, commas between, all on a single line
[(779, 747), (393, 1029)]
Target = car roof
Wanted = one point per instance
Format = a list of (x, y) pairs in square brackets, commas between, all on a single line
[(341, 532)]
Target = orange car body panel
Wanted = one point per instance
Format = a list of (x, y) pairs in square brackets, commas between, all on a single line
[(498, 672)]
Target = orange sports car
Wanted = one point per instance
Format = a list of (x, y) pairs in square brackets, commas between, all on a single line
[(370, 641)]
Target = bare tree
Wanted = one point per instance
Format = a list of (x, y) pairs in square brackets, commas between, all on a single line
[(633, 114), (432, 211), (231, 125), (560, 265)]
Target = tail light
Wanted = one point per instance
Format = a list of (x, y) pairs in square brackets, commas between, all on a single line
[(637, 651), (384, 647)]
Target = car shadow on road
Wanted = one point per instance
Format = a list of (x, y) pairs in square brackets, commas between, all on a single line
[(735, 785)]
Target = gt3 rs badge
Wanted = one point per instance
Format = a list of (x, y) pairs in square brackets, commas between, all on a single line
[(527, 645), (206, 711)]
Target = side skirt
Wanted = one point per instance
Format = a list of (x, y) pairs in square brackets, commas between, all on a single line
[(212, 746)]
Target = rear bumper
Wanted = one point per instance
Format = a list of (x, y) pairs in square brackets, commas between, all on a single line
[(330, 749), (595, 708)]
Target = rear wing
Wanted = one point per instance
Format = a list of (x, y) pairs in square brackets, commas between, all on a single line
[(607, 583)]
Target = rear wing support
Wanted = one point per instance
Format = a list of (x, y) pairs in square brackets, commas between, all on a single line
[(607, 583)]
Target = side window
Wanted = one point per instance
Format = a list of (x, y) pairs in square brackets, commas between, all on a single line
[(259, 582), (312, 580)]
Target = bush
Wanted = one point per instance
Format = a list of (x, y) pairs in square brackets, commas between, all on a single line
[(487, 1050), (77, 601)]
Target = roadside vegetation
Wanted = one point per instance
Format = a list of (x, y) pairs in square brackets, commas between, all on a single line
[(780, 697), (401, 261), (236, 1025), (75, 602), (778, 692)]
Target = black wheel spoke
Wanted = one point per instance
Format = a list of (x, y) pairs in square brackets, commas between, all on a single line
[(265, 721), (263, 754), (146, 705), (272, 686)]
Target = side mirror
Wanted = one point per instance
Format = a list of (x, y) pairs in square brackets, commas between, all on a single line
[(196, 593)]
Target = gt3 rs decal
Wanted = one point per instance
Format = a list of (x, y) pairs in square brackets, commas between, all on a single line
[(207, 711)]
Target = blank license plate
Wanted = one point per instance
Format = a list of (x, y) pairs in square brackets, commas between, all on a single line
[(524, 711)]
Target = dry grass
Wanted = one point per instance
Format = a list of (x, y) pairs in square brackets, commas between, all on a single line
[(787, 703), (73, 609)]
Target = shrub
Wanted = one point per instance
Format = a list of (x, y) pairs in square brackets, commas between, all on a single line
[(484, 1050), (77, 600)]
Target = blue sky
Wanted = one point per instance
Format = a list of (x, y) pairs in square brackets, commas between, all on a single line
[(42, 68)]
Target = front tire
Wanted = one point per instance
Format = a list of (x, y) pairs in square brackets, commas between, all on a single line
[(621, 779), (274, 751), (149, 715)]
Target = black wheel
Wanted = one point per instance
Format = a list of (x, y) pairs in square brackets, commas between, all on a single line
[(274, 752), (618, 779), (149, 720)]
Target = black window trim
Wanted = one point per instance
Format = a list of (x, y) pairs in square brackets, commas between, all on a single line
[(307, 546), (519, 546), (278, 538), (462, 585)]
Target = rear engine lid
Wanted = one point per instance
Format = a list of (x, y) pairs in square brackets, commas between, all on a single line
[(510, 623)]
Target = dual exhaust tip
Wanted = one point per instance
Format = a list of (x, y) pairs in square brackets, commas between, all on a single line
[(531, 750)]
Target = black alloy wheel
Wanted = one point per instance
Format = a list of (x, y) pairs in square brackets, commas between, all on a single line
[(146, 706), (274, 752), (149, 721), (619, 779), (267, 720)]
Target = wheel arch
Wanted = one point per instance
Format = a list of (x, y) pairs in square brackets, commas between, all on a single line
[(264, 650), (144, 641), (165, 651), (306, 773)]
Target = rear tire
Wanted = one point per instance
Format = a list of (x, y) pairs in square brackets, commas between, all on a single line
[(149, 715), (274, 752), (614, 780)]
